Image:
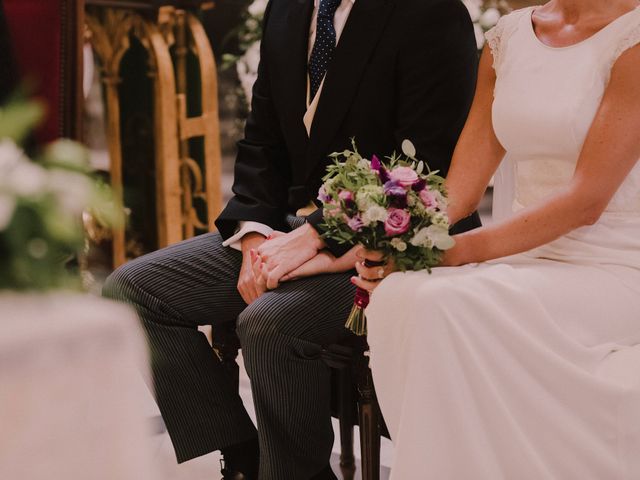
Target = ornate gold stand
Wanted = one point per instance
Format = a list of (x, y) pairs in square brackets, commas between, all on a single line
[(181, 181)]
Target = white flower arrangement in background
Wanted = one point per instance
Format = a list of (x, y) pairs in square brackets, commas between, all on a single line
[(485, 15), (42, 203)]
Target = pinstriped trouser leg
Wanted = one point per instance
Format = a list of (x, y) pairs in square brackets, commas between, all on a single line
[(282, 335), (174, 290)]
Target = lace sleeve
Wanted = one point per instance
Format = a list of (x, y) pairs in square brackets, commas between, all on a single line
[(493, 37), (498, 36), (631, 39)]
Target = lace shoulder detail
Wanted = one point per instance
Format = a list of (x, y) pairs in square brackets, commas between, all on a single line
[(630, 39), (498, 36)]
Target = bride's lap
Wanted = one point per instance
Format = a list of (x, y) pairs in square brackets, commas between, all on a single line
[(590, 304)]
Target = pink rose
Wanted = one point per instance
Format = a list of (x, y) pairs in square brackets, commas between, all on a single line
[(428, 198), (397, 222), (346, 195), (405, 176)]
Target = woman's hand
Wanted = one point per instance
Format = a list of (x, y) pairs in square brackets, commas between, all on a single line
[(370, 277), (325, 262)]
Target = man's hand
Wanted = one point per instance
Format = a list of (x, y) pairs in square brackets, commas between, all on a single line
[(249, 289), (325, 262), (285, 253)]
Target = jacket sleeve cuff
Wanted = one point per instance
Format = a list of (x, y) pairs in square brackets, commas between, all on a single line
[(336, 249)]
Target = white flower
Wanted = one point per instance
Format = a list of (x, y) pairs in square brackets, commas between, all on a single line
[(440, 219), (27, 179), (439, 236), (441, 200), (10, 157), (398, 244), (369, 196), (374, 214), (73, 190), (422, 239), (7, 207), (257, 8), (489, 18), (475, 9), (69, 153), (364, 163), (477, 29)]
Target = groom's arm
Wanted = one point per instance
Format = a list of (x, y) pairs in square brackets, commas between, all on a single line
[(262, 168), (437, 71)]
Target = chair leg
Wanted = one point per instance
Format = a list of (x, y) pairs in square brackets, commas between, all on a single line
[(226, 346), (345, 415), (369, 427)]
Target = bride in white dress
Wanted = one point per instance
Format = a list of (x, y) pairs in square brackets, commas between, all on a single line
[(495, 369)]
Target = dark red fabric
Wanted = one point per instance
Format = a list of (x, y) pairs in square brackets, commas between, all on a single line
[(36, 36)]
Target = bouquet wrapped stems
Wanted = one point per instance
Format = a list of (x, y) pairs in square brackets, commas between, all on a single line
[(357, 321)]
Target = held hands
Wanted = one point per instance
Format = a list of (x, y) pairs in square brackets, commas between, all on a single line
[(249, 289), (298, 254), (283, 254)]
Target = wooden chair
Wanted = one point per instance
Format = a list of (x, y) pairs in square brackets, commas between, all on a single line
[(354, 396)]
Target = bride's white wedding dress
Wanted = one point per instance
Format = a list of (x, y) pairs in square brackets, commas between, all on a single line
[(505, 370)]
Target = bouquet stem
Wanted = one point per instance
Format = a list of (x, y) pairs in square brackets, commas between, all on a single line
[(357, 321)]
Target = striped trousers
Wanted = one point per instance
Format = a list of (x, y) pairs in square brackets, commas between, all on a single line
[(282, 334)]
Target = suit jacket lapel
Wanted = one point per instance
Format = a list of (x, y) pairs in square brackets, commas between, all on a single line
[(359, 38), (289, 40)]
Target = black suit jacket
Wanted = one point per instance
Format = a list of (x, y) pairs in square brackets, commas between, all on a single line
[(403, 69)]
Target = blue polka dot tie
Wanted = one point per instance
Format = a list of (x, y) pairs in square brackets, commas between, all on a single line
[(324, 44)]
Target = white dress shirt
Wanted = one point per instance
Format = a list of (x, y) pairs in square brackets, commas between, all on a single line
[(339, 22)]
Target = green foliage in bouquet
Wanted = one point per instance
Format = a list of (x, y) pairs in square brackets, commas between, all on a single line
[(41, 204), (392, 206)]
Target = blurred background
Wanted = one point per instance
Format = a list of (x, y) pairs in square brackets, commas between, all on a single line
[(118, 125)]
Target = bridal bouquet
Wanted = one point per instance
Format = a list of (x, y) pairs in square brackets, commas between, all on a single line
[(392, 206)]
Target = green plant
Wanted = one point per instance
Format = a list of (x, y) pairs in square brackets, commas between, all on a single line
[(41, 204)]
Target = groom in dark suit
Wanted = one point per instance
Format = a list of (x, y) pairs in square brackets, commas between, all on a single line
[(380, 71)]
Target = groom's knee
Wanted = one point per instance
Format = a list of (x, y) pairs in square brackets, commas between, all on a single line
[(126, 284)]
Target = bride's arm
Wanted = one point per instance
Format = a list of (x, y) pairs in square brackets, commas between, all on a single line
[(610, 151), (478, 152)]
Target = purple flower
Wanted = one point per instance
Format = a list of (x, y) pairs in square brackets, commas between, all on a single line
[(398, 222), (323, 196), (394, 189), (355, 223), (419, 185), (376, 165)]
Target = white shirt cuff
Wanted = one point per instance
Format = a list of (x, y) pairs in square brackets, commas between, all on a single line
[(244, 228)]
